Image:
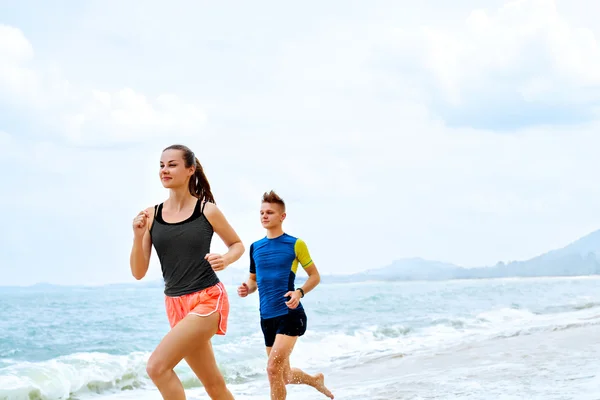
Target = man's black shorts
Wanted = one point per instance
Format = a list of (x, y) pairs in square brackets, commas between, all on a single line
[(291, 324)]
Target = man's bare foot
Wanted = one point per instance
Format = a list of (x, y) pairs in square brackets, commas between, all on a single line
[(321, 386)]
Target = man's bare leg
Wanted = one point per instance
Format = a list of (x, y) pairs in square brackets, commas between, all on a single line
[(279, 364), (279, 356), (298, 377)]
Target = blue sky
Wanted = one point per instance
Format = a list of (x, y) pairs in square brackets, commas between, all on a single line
[(393, 129)]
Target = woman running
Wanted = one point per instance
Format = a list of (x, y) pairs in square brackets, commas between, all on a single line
[(197, 305)]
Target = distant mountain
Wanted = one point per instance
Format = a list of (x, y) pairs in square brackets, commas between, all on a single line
[(581, 257), (583, 247)]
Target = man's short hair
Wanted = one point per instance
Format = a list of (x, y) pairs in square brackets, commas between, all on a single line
[(272, 197)]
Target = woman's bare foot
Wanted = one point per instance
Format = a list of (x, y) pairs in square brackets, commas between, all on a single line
[(321, 386)]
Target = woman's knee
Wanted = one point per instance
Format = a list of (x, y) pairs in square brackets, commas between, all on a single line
[(215, 388), (156, 369)]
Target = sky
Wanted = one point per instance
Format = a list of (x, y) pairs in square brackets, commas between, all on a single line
[(392, 129)]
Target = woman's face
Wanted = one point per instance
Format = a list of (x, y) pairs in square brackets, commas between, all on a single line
[(173, 172)]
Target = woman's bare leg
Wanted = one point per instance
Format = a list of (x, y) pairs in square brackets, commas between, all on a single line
[(202, 362), (189, 336)]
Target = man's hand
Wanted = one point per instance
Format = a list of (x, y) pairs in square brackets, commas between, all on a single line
[(243, 290), (294, 300)]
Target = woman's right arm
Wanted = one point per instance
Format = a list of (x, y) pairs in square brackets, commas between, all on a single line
[(139, 259)]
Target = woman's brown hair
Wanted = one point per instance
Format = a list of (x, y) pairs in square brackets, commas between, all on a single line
[(199, 186)]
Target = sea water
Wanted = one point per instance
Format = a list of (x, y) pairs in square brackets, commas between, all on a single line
[(464, 339)]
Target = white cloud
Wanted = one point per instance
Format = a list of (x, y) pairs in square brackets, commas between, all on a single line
[(14, 46), (127, 116), (16, 78), (525, 49), (88, 116)]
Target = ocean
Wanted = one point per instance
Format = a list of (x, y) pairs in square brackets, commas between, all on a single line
[(534, 338)]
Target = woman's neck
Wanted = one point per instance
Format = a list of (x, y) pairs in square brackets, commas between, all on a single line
[(180, 199)]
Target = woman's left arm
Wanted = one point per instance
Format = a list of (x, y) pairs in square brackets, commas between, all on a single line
[(227, 234)]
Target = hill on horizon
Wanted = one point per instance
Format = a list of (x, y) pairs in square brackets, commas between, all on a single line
[(579, 258)]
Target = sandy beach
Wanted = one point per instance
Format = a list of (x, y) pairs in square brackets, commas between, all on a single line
[(562, 364)]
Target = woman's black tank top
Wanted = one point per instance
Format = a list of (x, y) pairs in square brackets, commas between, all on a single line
[(181, 248)]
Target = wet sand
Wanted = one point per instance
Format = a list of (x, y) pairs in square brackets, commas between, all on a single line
[(562, 364)]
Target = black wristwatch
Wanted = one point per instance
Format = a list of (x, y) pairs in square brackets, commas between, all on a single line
[(301, 291)]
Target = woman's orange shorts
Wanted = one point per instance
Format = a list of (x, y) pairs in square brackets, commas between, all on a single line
[(202, 303)]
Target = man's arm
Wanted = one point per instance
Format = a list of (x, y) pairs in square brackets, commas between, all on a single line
[(251, 283), (313, 278), (304, 259)]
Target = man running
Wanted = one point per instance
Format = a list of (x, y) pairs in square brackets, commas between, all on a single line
[(274, 261)]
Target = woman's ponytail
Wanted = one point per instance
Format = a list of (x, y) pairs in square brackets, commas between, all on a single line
[(199, 186)]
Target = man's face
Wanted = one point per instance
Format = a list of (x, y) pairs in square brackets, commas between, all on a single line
[(271, 215)]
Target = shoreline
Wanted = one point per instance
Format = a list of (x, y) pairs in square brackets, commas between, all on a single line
[(478, 370), (159, 284)]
